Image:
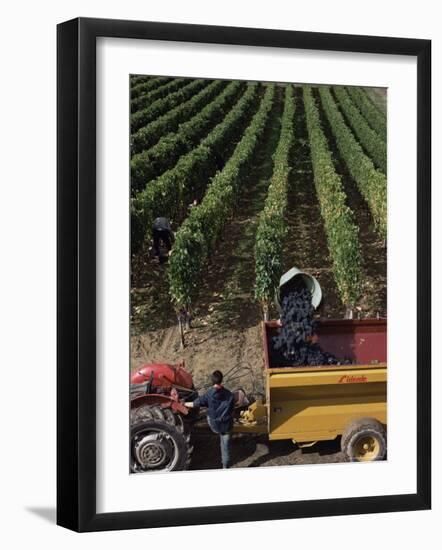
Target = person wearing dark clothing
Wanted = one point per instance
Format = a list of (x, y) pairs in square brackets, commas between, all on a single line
[(220, 404), (161, 231), (219, 161)]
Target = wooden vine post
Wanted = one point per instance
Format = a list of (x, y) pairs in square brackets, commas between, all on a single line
[(265, 310), (184, 325)]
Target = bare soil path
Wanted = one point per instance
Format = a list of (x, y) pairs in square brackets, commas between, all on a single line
[(248, 451)]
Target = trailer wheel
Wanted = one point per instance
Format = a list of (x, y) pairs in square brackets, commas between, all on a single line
[(364, 440), (159, 440)]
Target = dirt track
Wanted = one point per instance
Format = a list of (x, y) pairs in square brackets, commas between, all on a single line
[(250, 451)]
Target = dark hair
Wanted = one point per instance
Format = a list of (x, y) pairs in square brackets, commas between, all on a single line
[(217, 377)]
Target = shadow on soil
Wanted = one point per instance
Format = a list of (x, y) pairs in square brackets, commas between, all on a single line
[(248, 451)]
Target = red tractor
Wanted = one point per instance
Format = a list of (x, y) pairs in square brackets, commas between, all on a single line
[(160, 423)]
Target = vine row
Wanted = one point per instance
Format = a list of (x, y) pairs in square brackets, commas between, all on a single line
[(165, 153), (164, 103), (151, 133), (169, 194), (272, 227), (340, 228), (371, 183), (139, 93), (368, 138), (197, 237), (138, 79), (372, 114)]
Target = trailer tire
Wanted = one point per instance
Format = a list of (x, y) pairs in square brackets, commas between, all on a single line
[(159, 440), (364, 440)]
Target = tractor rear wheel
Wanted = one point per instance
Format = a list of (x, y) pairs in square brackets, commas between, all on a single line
[(159, 440), (364, 440)]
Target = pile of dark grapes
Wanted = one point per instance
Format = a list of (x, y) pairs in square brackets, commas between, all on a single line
[(292, 347)]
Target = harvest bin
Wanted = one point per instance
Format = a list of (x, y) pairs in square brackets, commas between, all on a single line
[(294, 278), (309, 404)]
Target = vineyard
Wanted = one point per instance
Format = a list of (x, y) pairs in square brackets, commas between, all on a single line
[(255, 178)]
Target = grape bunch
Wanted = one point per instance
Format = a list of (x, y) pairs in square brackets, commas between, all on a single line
[(292, 347), (297, 320)]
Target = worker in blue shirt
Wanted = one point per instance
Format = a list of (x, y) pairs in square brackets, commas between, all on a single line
[(220, 404)]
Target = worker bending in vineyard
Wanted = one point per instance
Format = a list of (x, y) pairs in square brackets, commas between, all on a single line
[(162, 232), (220, 404)]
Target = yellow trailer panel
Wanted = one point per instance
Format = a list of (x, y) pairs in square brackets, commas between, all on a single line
[(307, 404)]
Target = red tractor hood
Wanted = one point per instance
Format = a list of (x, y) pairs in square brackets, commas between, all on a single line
[(163, 375)]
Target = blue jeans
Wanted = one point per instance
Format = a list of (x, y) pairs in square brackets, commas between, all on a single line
[(224, 441)]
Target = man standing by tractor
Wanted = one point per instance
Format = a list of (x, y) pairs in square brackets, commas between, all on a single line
[(220, 402)]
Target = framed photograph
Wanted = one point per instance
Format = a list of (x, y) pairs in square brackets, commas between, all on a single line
[(243, 248)]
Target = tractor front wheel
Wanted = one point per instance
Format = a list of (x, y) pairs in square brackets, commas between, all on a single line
[(159, 440)]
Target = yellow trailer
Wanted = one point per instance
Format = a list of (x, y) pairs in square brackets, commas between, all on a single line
[(310, 404)]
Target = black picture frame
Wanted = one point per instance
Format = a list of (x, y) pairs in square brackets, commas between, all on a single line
[(76, 273)]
